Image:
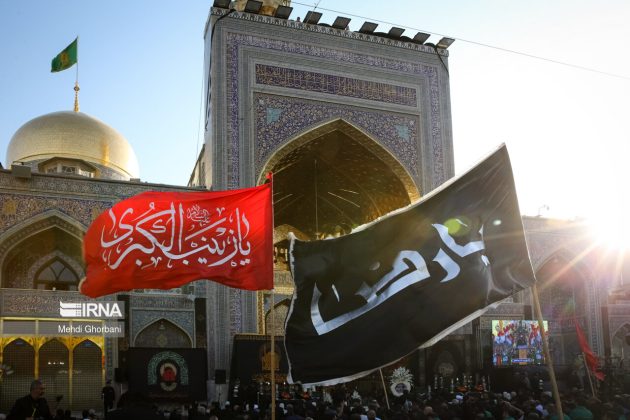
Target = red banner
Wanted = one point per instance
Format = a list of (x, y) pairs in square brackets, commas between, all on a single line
[(162, 240), (589, 356)]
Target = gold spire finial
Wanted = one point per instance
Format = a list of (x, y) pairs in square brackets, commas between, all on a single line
[(76, 96)]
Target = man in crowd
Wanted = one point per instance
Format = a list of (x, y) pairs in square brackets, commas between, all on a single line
[(32, 406), (108, 394)]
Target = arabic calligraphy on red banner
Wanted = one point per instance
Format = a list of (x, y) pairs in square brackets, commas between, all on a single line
[(162, 240)]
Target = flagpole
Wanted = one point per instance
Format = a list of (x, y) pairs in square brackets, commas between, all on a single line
[(76, 82), (77, 74), (552, 375), (316, 215), (588, 374), (273, 356), (273, 320), (384, 389)]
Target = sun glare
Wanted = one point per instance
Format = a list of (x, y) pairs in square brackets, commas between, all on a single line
[(607, 210), (611, 229)]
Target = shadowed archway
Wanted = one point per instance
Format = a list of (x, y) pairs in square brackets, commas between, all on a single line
[(334, 178), (27, 246)]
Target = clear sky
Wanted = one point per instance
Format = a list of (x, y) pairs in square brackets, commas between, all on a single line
[(141, 63)]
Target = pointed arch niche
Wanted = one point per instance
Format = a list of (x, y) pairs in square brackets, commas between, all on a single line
[(275, 321), (334, 178), (29, 247), (621, 343), (20, 356), (54, 363), (163, 333), (327, 181), (87, 374)]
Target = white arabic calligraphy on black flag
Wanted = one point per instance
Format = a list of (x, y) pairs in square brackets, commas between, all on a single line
[(365, 300)]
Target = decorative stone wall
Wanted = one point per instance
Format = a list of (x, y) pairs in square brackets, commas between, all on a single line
[(37, 303), (81, 199), (547, 238), (142, 318), (70, 203), (618, 316), (335, 85), (256, 55), (338, 86), (147, 309), (45, 201), (270, 81), (103, 171), (397, 132)]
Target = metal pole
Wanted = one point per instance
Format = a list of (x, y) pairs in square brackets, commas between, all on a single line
[(273, 320), (588, 374), (384, 388), (273, 356), (552, 375)]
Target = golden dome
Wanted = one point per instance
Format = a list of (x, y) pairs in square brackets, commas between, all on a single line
[(73, 135)]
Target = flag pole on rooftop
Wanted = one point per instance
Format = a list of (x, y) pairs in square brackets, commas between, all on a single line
[(76, 81), (66, 59)]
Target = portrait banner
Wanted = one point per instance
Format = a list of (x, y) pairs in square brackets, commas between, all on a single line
[(163, 240), (367, 299), (173, 374)]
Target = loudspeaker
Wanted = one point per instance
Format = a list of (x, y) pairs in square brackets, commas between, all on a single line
[(120, 375), (219, 376)]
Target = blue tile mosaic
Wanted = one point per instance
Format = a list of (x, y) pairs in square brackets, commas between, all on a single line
[(335, 85), (236, 41), (298, 115)]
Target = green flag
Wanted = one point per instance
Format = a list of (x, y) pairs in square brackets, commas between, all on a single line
[(66, 58)]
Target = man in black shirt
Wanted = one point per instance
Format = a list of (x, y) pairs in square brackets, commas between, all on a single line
[(108, 395), (33, 406)]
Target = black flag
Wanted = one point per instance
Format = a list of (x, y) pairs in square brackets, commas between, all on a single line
[(365, 300)]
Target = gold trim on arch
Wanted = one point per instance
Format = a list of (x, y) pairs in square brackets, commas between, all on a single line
[(260, 301), (355, 133), (37, 342)]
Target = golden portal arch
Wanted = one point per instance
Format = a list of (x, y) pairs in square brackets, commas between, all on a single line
[(328, 181), (342, 174)]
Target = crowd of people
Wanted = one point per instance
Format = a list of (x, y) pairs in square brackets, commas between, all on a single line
[(515, 405), (344, 403)]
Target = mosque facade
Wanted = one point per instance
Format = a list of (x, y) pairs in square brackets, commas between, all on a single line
[(65, 168), (353, 125)]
